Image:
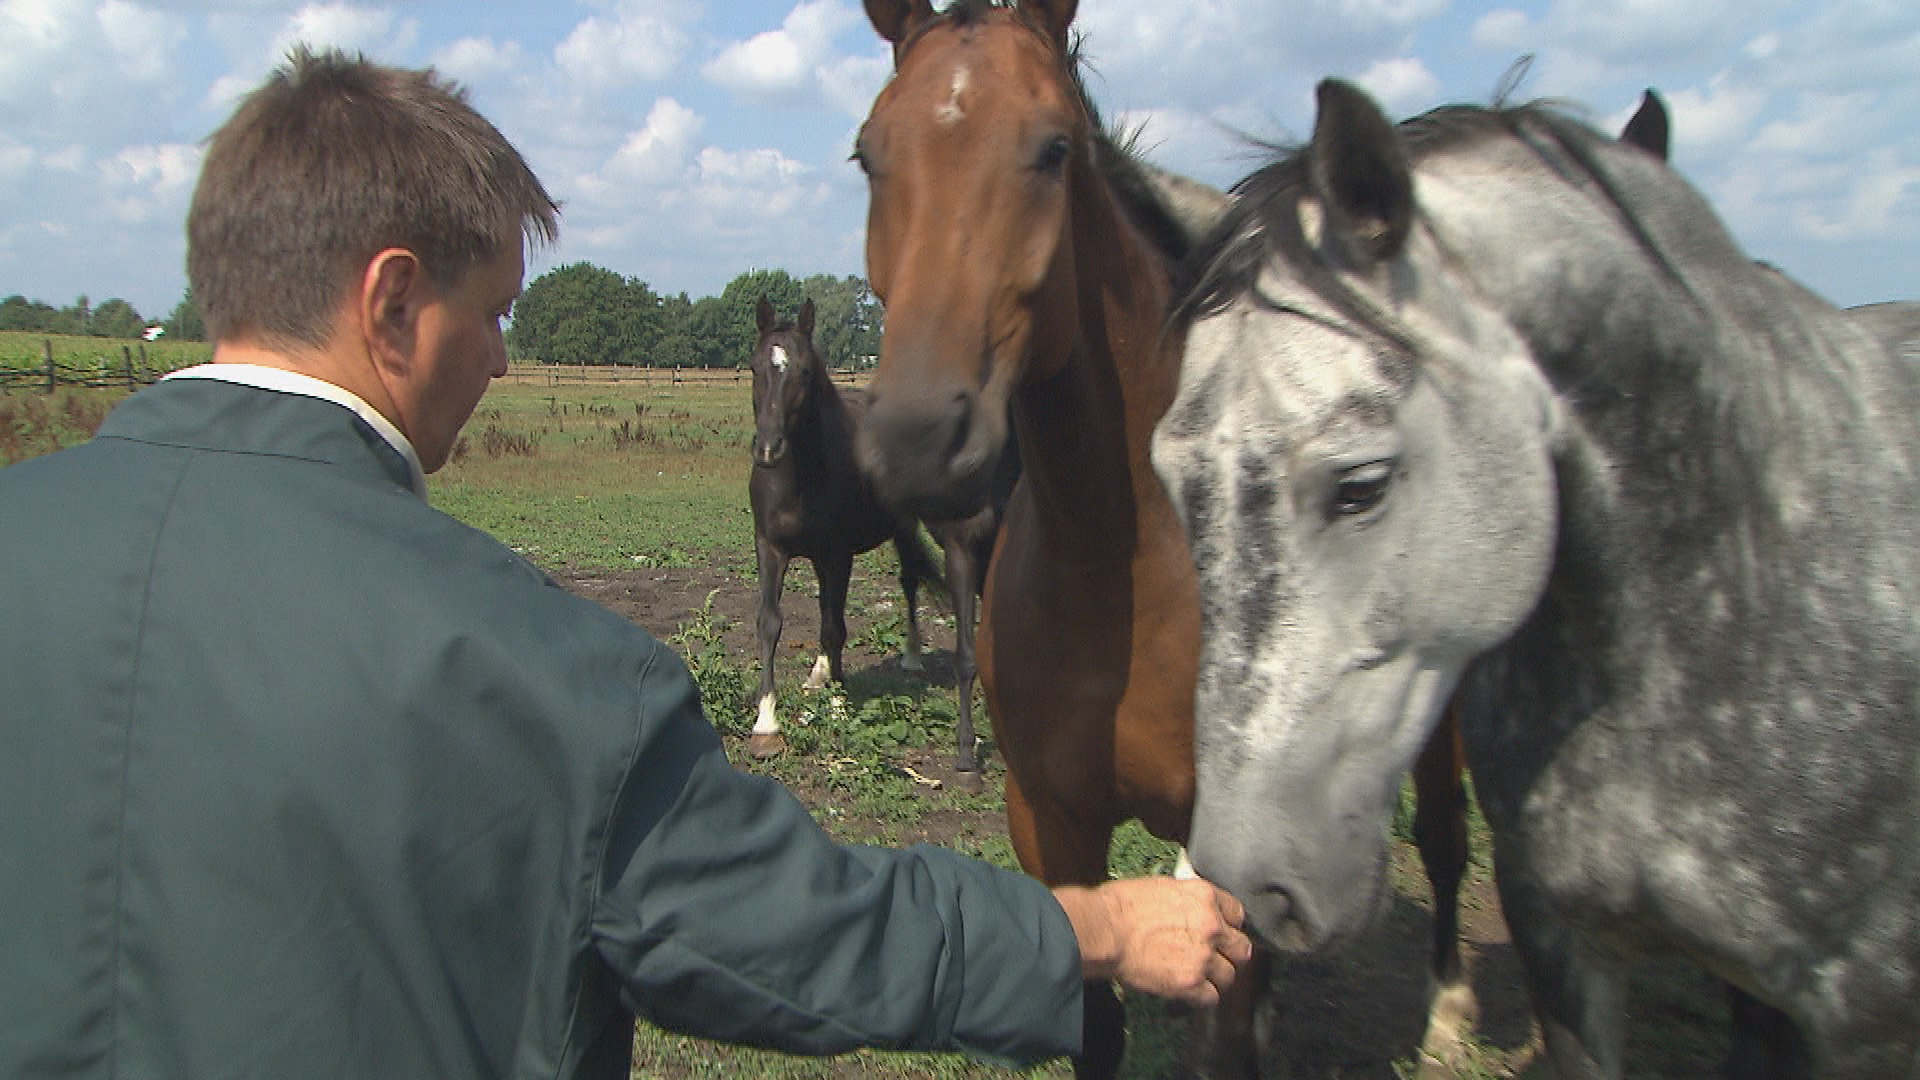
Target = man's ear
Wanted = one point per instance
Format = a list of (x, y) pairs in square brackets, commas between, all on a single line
[(393, 289)]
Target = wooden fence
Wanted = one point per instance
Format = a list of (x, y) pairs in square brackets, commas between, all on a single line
[(52, 375), (570, 375)]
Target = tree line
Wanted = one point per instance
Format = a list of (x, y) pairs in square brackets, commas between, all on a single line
[(578, 314), (114, 318), (581, 314)]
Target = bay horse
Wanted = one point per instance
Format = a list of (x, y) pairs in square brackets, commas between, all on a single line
[(1026, 266), (810, 500), (1490, 405)]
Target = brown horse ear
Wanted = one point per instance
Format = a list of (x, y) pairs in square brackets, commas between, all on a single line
[(806, 318), (1360, 171), (1649, 129), (763, 312), (1055, 15), (895, 19)]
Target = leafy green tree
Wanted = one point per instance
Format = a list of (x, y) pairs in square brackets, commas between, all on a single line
[(846, 321), (186, 322), (116, 319), (29, 316), (585, 314), (738, 331), (710, 329)]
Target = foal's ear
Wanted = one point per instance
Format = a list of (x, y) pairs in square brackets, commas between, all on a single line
[(895, 19), (763, 312), (805, 325), (1649, 129), (1055, 15), (1360, 171)]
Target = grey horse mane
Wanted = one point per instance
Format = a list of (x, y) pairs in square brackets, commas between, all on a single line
[(1264, 220)]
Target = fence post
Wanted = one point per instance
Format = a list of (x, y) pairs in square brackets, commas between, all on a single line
[(144, 366), (126, 353), (52, 372)]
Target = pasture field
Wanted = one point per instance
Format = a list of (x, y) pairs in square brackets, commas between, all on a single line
[(24, 352), (633, 494)]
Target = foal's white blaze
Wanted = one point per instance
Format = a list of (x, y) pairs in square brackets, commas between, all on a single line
[(952, 112), (768, 724), (779, 358), (822, 671)]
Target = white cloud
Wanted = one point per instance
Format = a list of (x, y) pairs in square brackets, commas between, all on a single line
[(471, 60), (641, 41), (657, 154), (150, 183), (1504, 30), (376, 32), (1881, 192), (1402, 84), (1710, 119), (797, 65)]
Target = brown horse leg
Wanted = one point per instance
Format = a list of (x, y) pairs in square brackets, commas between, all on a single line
[(766, 740), (834, 572), (1440, 832), (1059, 851), (1223, 1041)]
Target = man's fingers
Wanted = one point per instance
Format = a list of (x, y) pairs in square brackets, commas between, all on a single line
[(1230, 908)]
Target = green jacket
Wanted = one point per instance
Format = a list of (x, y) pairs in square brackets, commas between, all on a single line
[(300, 777)]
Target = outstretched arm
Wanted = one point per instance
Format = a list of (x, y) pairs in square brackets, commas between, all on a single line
[(1174, 938)]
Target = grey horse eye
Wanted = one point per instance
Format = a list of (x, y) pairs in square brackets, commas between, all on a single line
[(1361, 489)]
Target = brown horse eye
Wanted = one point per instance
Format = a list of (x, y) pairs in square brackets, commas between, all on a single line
[(1054, 154)]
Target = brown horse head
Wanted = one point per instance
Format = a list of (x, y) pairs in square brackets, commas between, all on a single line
[(785, 373), (969, 153)]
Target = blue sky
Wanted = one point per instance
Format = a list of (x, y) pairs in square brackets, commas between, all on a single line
[(691, 140)]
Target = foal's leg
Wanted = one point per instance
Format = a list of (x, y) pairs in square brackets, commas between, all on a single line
[(1440, 832), (834, 572), (766, 740), (906, 545), (963, 584)]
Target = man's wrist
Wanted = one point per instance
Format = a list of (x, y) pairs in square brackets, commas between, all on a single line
[(1095, 929)]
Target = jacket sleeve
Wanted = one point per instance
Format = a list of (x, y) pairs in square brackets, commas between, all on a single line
[(728, 914)]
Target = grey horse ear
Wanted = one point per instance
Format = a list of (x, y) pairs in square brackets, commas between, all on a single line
[(1360, 170), (895, 19), (763, 313), (1649, 129), (805, 323)]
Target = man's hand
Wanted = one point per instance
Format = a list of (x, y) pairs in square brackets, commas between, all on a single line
[(1178, 939)]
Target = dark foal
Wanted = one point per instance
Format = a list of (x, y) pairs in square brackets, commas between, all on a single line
[(810, 500)]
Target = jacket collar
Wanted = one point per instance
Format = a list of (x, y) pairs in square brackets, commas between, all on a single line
[(254, 410), (282, 381)]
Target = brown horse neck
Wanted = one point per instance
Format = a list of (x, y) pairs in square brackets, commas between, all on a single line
[(1084, 432)]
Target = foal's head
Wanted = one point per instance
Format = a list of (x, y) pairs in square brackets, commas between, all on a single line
[(969, 154), (785, 373)]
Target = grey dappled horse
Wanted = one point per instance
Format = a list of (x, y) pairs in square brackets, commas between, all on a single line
[(1490, 404)]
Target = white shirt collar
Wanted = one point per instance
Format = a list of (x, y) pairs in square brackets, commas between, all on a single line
[(292, 382)]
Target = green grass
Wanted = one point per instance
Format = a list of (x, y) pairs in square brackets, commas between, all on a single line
[(607, 476), (96, 356)]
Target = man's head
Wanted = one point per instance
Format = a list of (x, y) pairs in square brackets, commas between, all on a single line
[(347, 200)]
